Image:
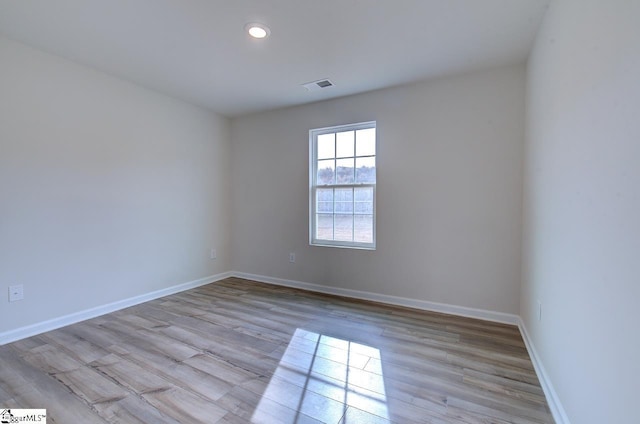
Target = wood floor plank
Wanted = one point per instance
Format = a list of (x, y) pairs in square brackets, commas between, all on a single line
[(185, 407), (247, 406), (131, 375), (133, 410), (29, 387), (239, 351)]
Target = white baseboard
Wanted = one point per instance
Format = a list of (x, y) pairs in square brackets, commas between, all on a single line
[(558, 412), (384, 298), (52, 324)]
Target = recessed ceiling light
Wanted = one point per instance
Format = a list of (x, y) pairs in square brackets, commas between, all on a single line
[(257, 30)]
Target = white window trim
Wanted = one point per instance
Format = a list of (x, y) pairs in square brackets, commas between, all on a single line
[(313, 154)]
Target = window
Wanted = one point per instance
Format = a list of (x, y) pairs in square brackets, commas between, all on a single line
[(342, 181)]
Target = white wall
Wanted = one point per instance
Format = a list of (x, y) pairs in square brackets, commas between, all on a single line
[(582, 207), (449, 192), (107, 190)]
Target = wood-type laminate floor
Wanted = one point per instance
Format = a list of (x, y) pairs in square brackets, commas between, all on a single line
[(238, 351)]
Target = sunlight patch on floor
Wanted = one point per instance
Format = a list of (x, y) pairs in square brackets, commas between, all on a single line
[(327, 379)]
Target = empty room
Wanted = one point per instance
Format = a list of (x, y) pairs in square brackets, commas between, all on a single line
[(339, 211)]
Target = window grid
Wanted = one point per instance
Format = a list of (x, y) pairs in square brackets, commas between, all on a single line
[(344, 164)]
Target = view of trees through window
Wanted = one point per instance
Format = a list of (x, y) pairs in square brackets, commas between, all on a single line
[(345, 168)]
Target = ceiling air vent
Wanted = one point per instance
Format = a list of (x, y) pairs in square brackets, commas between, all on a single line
[(317, 85)]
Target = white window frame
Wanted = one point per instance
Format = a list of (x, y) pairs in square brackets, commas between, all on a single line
[(313, 173)]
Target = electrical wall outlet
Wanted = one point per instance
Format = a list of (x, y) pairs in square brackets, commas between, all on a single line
[(214, 254), (16, 293), (292, 257)]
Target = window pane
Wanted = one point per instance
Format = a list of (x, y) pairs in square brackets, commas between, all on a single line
[(326, 172), (364, 208), (363, 194), (326, 146), (344, 171), (324, 200), (344, 207), (343, 228), (344, 143), (326, 207), (344, 200), (325, 194), (363, 200), (366, 170), (366, 142), (324, 226), (344, 194), (363, 229)]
